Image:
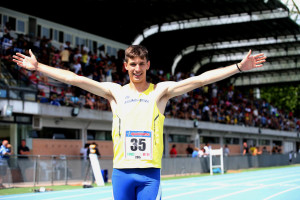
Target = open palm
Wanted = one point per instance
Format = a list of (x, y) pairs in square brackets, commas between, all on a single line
[(26, 62), (249, 62)]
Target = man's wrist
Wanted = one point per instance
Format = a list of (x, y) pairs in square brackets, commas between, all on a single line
[(37, 66), (238, 65)]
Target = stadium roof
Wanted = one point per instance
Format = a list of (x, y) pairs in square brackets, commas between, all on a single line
[(190, 35)]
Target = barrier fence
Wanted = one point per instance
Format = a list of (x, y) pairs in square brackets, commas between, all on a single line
[(65, 170)]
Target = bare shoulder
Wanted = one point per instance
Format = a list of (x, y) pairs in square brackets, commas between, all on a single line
[(164, 85), (115, 89), (161, 89), (111, 85)]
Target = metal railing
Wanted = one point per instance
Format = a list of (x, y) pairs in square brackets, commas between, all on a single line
[(49, 170), (65, 170)]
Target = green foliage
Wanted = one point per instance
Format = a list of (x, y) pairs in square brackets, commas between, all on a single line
[(283, 97)]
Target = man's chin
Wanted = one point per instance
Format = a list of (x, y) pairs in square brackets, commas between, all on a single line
[(136, 80)]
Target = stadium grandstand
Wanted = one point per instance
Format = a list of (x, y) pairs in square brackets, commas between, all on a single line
[(184, 38)]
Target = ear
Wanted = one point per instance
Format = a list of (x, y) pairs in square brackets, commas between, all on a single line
[(148, 64), (125, 65)]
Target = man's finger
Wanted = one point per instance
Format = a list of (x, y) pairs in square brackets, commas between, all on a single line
[(31, 54), (261, 58), (17, 58), (261, 61), (249, 53), (258, 55), (20, 55), (18, 62)]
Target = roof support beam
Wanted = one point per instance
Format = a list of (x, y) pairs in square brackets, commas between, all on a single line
[(237, 44), (259, 79), (211, 21)]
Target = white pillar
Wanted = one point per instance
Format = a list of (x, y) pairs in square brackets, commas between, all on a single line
[(13, 137)]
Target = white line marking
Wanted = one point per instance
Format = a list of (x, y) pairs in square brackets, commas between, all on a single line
[(192, 192), (246, 190), (223, 178), (279, 193), (215, 188)]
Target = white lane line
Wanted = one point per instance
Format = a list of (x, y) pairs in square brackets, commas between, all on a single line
[(255, 188), (215, 188), (227, 178), (230, 194), (221, 184), (279, 193), (236, 181), (192, 192)]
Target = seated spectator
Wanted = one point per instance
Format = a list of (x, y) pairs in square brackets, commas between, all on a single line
[(54, 100), (64, 57), (74, 100), (76, 66), (34, 77), (53, 91), (89, 101), (43, 79)]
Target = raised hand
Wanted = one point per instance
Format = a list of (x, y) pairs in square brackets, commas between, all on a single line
[(250, 62), (26, 62)]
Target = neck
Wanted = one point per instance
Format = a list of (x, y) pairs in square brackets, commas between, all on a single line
[(139, 87)]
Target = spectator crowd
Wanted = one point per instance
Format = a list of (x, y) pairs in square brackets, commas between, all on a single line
[(219, 103)]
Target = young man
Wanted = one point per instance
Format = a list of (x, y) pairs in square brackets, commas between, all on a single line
[(138, 108)]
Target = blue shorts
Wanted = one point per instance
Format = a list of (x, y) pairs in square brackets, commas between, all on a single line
[(136, 184)]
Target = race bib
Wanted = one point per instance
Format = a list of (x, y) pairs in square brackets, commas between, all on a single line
[(138, 145)]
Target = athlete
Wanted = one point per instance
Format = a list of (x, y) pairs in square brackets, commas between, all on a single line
[(138, 108)]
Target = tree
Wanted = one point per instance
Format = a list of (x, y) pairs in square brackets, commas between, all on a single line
[(285, 97)]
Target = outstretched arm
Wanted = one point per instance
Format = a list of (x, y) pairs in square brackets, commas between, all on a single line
[(101, 89), (177, 88)]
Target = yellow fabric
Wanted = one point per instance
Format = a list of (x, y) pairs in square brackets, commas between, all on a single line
[(84, 58), (137, 111)]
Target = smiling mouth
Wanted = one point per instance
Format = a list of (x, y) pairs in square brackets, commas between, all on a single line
[(137, 75)]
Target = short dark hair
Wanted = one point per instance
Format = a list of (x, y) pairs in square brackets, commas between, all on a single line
[(136, 51)]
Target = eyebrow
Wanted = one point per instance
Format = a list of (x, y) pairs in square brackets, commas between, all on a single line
[(142, 62)]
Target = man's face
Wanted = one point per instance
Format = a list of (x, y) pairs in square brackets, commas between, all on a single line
[(137, 68), (23, 143), (5, 143)]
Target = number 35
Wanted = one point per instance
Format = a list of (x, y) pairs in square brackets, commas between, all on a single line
[(138, 144)]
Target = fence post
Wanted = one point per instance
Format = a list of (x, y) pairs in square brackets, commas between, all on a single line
[(52, 170), (35, 171), (66, 171)]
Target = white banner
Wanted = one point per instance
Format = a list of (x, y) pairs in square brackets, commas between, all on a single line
[(96, 169)]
